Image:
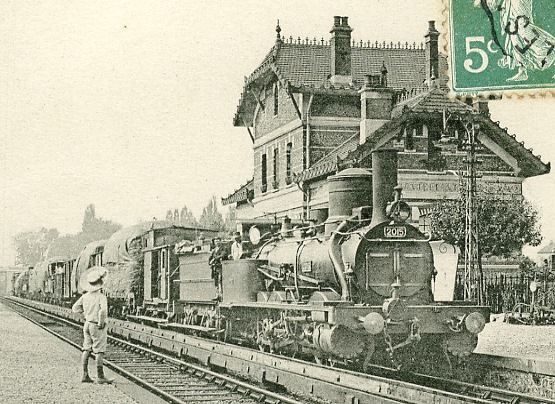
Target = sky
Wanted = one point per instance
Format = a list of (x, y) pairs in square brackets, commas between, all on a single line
[(129, 105)]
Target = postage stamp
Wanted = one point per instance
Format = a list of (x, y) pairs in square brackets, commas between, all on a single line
[(499, 45)]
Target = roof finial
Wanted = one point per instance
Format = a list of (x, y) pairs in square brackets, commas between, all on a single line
[(383, 71), (278, 30)]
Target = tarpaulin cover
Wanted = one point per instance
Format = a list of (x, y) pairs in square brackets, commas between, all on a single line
[(124, 259), (83, 262), (21, 283), (39, 274)]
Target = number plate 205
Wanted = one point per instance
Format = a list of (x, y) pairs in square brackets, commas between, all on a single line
[(395, 231)]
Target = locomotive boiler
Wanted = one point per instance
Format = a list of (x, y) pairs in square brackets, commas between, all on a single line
[(360, 289)]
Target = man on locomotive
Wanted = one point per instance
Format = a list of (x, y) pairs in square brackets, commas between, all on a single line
[(217, 254), (94, 305), (236, 247)]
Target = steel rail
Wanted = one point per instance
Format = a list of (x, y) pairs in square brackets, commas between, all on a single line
[(392, 388), (278, 398)]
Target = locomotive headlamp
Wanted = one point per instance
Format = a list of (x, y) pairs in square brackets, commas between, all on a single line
[(254, 235), (374, 323), (475, 322), (398, 210)]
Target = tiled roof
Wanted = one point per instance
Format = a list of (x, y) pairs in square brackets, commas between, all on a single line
[(530, 164), (309, 65), (433, 101), (328, 163), (244, 193), (350, 151), (302, 64)]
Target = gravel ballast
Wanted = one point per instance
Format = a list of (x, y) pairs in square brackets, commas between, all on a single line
[(36, 367), (522, 341)]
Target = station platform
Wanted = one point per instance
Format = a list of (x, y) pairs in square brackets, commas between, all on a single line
[(36, 367)]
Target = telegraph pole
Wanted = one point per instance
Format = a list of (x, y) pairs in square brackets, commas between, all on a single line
[(473, 279)]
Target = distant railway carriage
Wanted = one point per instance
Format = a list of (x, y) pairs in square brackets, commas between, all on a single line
[(143, 266), (49, 280), (90, 256), (21, 284), (62, 290)]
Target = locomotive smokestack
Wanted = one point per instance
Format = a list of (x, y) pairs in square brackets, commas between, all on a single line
[(384, 181), (349, 189)]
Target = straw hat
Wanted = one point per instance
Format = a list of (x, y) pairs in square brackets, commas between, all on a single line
[(93, 279)]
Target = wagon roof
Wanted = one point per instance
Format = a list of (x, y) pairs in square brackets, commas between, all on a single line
[(117, 246), (82, 261)]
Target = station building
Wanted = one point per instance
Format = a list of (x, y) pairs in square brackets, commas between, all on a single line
[(314, 107)]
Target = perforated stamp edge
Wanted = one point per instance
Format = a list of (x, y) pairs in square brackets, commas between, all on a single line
[(445, 34)]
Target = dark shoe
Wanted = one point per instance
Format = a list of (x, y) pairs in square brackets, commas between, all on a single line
[(103, 380), (86, 379)]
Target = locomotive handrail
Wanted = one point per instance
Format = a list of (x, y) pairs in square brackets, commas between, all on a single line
[(263, 272), (334, 252), (411, 240)]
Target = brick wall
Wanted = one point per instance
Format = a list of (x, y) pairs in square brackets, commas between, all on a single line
[(338, 106), (453, 160), (325, 139), (266, 121), (296, 138)]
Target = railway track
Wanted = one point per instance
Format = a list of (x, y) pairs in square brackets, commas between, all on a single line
[(163, 371), (174, 380)]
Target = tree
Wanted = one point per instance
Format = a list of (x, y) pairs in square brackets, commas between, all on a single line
[(187, 217), (32, 246), (96, 228), (93, 229), (230, 222), (169, 215), (505, 226), (210, 217)]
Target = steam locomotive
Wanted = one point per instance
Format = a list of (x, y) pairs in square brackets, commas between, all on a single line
[(357, 289)]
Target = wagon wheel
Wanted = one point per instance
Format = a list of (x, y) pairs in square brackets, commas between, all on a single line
[(263, 331), (330, 362), (318, 359)]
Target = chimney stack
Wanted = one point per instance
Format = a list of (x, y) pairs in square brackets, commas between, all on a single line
[(376, 103), (481, 105), (432, 52), (341, 51)]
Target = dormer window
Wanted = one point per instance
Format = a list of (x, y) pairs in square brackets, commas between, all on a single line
[(276, 98)]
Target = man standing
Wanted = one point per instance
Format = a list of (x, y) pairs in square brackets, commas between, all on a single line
[(217, 254), (94, 306), (236, 247)]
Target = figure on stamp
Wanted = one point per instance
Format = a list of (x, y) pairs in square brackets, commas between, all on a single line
[(526, 47)]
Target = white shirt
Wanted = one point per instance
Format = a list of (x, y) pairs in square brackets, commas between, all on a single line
[(236, 250), (93, 305)]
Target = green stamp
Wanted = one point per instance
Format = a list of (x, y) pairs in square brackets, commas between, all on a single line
[(501, 45)]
